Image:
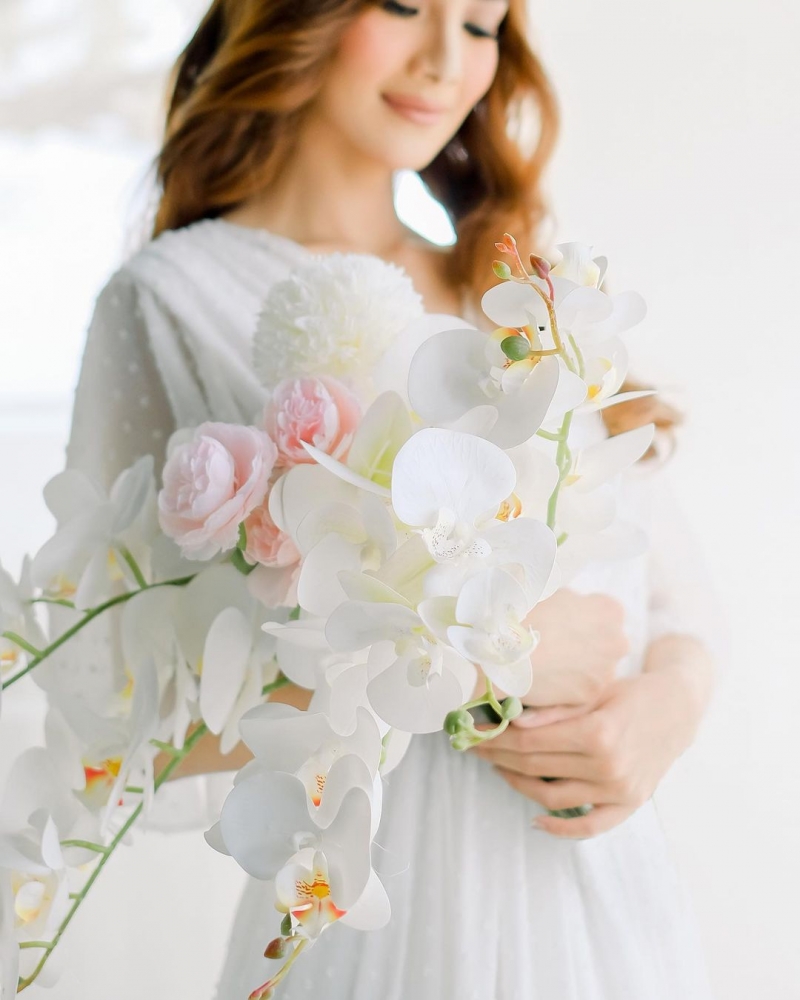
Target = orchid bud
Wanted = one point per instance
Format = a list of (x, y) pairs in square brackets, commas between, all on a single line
[(501, 269), (456, 721), (510, 242), (461, 741), (286, 925), (516, 348), (540, 265), (276, 948), (512, 708)]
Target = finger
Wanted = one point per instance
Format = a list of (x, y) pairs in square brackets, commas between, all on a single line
[(569, 736), (542, 765), (552, 794), (532, 717), (599, 820)]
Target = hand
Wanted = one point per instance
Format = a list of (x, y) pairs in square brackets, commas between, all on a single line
[(581, 642), (614, 755)]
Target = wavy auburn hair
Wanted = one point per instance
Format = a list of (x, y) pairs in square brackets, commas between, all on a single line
[(240, 89)]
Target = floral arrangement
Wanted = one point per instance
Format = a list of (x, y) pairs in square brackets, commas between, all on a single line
[(379, 535)]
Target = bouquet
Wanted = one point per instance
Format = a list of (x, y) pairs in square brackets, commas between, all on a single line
[(379, 535)]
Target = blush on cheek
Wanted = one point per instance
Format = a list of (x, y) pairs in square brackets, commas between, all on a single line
[(370, 51), (480, 72)]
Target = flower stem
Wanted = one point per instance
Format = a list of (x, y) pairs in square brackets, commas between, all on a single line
[(265, 989), (563, 461), (279, 682), (22, 643), (106, 853), (88, 616), (127, 555)]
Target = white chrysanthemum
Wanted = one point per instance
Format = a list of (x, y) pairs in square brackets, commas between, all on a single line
[(336, 317)]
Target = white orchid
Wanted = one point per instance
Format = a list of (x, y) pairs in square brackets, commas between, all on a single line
[(268, 816), (217, 624), (38, 812), (587, 508), (102, 752), (486, 624), (17, 615), (462, 378), (456, 489), (414, 679), (305, 744), (582, 310), (85, 559)]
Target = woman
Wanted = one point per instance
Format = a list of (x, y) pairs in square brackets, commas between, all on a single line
[(287, 121)]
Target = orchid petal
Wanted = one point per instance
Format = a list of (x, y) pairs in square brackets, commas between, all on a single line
[(439, 469)]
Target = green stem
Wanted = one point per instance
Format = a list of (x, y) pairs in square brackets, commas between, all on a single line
[(127, 555), (274, 685), (190, 743), (270, 985), (53, 600), (86, 844), (563, 463), (88, 616), (22, 643), (548, 435)]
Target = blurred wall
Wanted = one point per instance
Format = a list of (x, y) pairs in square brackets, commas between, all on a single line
[(678, 159)]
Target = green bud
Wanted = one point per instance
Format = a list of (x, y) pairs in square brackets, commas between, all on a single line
[(286, 925), (512, 708), (501, 269), (276, 948), (517, 348), (458, 720), (461, 741)]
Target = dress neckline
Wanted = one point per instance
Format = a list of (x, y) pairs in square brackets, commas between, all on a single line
[(267, 237)]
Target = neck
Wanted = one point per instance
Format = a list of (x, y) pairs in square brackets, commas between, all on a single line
[(329, 198)]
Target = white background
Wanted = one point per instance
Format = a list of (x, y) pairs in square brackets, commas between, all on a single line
[(679, 159)]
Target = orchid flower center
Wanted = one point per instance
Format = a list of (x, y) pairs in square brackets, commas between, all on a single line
[(510, 640), (314, 773), (452, 539), (423, 659)]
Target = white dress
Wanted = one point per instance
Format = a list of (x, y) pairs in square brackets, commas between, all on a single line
[(484, 907)]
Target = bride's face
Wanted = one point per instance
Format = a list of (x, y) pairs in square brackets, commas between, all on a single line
[(405, 77)]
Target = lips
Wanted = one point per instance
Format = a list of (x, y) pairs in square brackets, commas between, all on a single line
[(415, 109), (414, 103)]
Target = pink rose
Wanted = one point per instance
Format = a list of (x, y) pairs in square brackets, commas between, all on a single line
[(320, 411), (266, 543), (211, 484)]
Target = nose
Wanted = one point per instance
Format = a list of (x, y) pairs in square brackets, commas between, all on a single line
[(441, 55)]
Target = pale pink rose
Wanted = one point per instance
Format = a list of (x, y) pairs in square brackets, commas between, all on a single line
[(211, 484), (320, 411), (266, 543)]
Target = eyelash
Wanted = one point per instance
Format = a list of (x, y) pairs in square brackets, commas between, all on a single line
[(402, 11)]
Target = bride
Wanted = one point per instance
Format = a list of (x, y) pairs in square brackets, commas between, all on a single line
[(287, 121)]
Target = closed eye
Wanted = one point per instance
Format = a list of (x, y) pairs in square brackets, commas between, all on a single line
[(402, 10)]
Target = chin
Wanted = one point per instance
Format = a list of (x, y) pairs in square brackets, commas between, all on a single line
[(402, 154)]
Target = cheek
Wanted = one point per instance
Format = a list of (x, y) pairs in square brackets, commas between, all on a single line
[(481, 66), (368, 53)]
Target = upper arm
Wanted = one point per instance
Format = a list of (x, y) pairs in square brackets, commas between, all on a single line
[(121, 409)]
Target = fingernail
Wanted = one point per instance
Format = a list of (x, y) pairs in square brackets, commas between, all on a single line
[(536, 824)]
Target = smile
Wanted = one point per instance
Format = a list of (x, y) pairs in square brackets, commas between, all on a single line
[(414, 112)]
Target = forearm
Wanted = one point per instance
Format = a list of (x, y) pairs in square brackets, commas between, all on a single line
[(687, 664), (206, 757)]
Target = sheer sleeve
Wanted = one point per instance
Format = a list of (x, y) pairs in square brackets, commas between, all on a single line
[(683, 596), (121, 409)]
